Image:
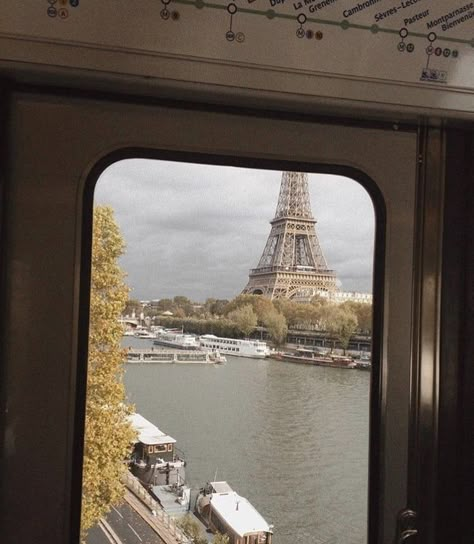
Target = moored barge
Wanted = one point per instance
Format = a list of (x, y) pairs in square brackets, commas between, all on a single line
[(308, 357), (222, 510), (157, 464), (173, 356)]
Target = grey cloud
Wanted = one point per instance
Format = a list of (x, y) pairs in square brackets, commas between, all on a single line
[(196, 230)]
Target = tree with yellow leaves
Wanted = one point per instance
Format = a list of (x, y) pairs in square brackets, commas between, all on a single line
[(108, 435)]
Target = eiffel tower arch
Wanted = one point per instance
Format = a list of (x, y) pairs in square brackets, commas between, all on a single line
[(292, 264)]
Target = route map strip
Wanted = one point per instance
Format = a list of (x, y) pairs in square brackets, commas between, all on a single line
[(344, 24)]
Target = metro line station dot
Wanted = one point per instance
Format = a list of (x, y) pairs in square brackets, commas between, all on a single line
[(374, 29), (232, 8), (270, 14)]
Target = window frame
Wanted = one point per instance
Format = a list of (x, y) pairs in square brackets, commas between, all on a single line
[(100, 130)]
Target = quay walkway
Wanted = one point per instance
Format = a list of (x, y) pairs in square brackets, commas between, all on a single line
[(149, 509), (139, 519)]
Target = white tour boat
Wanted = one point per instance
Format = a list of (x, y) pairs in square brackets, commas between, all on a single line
[(176, 340), (222, 510), (232, 346)]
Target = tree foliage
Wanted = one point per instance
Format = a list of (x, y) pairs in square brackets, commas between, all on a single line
[(132, 306), (220, 538), (341, 323), (191, 529), (260, 305), (276, 326), (363, 312), (215, 307), (244, 318), (108, 435)]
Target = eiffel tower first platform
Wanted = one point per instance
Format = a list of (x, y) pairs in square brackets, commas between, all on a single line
[(292, 264)]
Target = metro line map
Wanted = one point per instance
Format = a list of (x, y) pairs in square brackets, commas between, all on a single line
[(411, 42)]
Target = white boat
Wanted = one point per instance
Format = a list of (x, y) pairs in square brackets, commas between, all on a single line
[(142, 332), (176, 340), (232, 346), (222, 510)]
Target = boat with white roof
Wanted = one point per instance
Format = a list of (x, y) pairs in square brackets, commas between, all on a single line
[(159, 466), (233, 346), (222, 510)]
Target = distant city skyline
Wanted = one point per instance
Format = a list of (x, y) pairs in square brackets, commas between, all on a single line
[(196, 230)]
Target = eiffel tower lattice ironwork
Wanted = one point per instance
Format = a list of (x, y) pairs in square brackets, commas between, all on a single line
[(292, 264)]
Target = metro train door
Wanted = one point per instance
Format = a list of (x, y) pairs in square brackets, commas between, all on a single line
[(57, 147)]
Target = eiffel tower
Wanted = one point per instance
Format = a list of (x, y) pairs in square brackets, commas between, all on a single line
[(292, 264)]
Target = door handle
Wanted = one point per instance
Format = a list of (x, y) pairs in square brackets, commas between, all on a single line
[(407, 531), (408, 537)]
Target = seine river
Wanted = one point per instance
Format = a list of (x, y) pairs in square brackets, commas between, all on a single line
[(293, 439)]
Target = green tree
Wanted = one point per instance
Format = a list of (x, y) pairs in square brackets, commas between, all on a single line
[(108, 435), (184, 304), (216, 307), (220, 538), (341, 323), (131, 306), (290, 310), (164, 305), (276, 326), (260, 305), (245, 319), (363, 312), (191, 529), (179, 312)]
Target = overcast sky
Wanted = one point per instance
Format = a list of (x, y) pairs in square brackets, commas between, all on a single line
[(196, 230)]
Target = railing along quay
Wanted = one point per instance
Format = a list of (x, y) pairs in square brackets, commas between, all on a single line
[(152, 355), (164, 524)]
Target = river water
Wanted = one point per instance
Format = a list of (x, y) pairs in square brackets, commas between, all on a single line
[(293, 439)]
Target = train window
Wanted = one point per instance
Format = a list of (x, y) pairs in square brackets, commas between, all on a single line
[(45, 370), (277, 264)]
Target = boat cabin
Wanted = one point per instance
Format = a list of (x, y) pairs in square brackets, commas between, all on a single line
[(152, 444), (226, 512), (154, 459)]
